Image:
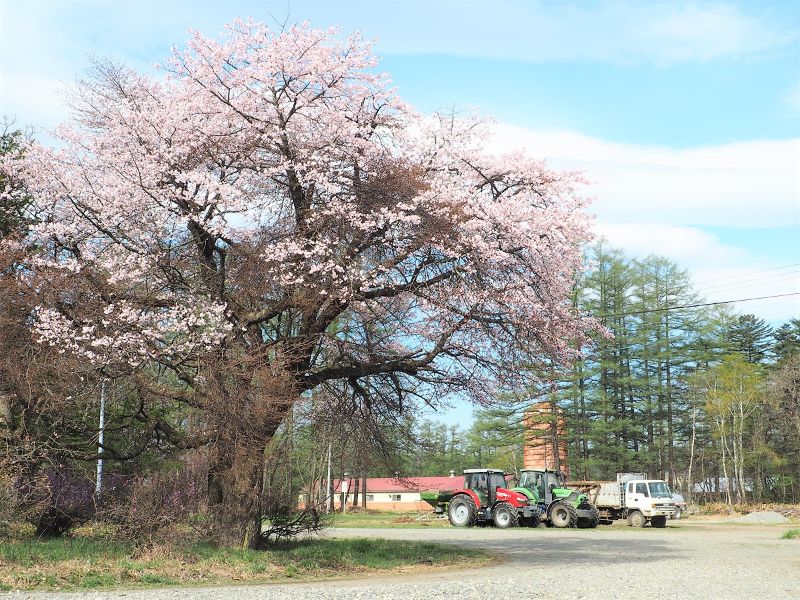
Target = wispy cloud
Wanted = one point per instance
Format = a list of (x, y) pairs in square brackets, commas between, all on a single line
[(720, 272), (686, 245), (747, 184), (791, 101), (616, 32)]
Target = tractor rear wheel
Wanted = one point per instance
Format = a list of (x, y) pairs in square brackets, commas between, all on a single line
[(637, 519), (505, 515), (462, 511), (563, 515), (590, 522), (659, 522)]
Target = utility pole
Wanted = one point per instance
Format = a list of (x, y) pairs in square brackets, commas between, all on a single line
[(98, 488)]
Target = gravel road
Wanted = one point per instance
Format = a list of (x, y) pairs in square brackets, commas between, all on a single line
[(689, 560)]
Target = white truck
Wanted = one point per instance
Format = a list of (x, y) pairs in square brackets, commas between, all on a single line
[(633, 497)]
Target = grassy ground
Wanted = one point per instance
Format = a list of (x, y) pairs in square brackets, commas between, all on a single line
[(792, 534), (88, 560), (387, 520)]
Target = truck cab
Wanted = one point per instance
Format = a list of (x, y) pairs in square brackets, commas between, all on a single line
[(647, 500)]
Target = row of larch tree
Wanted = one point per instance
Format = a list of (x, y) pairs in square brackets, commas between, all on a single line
[(685, 391)]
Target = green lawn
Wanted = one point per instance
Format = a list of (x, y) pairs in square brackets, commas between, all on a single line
[(92, 561)]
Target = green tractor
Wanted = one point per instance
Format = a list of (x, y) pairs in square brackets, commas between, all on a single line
[(560, 505)]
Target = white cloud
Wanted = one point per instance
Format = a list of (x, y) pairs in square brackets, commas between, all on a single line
[(747, 184), (655, 200), (720, 272), (689, 246)]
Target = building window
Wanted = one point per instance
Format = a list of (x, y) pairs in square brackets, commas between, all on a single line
[(370, 497), (395, 497)]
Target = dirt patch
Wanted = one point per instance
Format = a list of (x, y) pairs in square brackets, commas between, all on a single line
[(403, 519), (763, 516)]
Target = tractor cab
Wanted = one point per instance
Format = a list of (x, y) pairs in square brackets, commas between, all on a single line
[(545, 484), (485, 484), (560, 505)]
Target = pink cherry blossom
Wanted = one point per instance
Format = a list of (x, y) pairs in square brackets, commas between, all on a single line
[(275, 196)]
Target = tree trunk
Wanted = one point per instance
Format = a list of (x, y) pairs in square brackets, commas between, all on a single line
[(235, 490), (670, 434), (364, 489), (689, 474), (356, 482), (723, 445), (6, 415)]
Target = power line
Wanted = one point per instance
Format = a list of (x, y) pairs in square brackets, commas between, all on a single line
[(785, 282), (747, 274), (697, 305), (735, 285)]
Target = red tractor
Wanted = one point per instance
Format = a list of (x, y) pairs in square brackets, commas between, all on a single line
[(485, 498)]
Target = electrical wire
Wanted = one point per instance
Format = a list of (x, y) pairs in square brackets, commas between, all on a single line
[(697, 305), (747, 274), (739, 286), (771, 278)]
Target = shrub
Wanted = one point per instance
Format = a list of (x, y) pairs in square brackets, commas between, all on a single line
[(283, 523), (156, 503), (56, 501)]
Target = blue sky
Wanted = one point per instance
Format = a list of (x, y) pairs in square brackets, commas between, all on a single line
[(685, 115)]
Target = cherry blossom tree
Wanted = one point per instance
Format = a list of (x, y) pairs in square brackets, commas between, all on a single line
[(269, 217)]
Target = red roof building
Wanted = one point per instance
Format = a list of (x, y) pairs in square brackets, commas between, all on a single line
[(395, 493)]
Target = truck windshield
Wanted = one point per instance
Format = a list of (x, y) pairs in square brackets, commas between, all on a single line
[(659, 489)]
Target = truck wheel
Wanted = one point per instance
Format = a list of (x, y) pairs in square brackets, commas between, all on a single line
[(505, 515), (590, 522), (659, 522), (462, 511), (563, 515), (637, 519), (677, 514)]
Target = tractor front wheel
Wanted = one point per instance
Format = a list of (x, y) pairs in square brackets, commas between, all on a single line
[(636, 519), (659, 522), (563, 515), (462, 511), (505, 515)]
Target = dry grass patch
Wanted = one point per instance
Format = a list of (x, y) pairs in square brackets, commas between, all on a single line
[(384, 520), (97, 562)]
